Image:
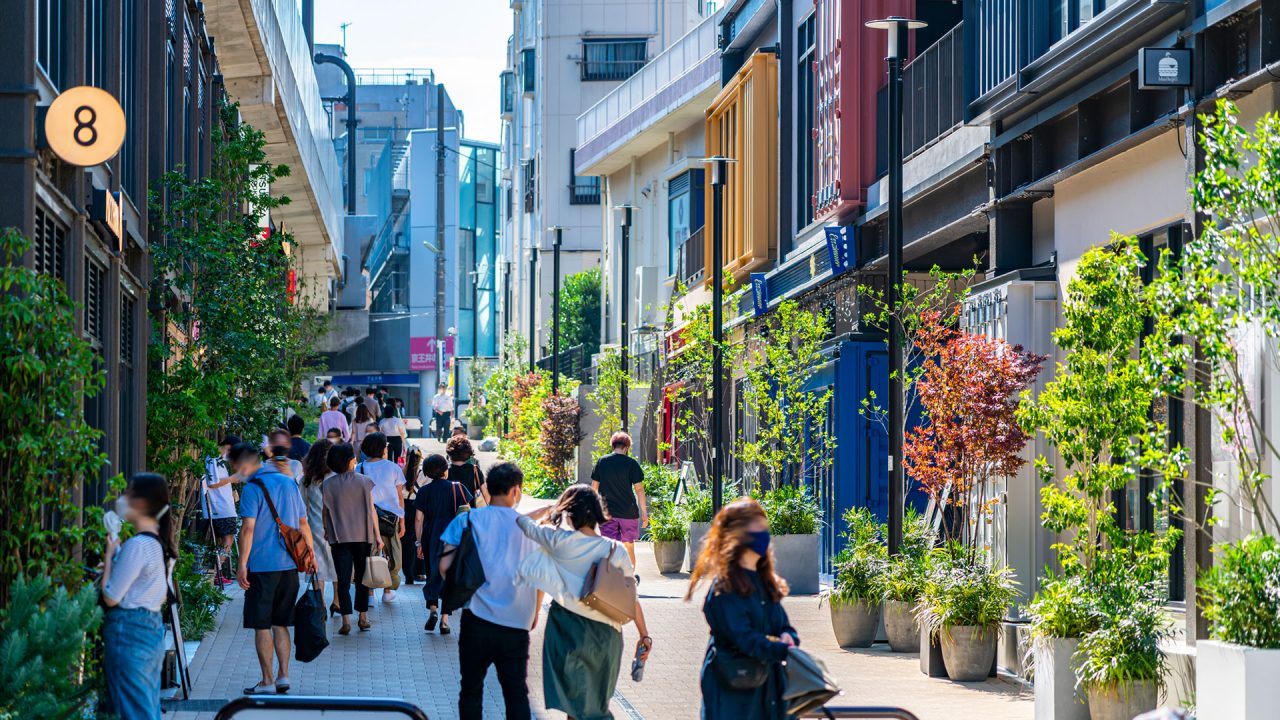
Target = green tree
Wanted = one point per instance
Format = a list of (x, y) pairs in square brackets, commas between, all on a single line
[(607, 397), (791, 420), (47, 370), (233, 351), (580, 312)]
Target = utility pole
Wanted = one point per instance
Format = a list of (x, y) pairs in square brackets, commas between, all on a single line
[(719, 172), (624, 290), (555, 310), (533, 302), (440, 238)]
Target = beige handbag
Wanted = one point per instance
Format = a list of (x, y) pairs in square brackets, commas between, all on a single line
[(377, 572), (609, 591)]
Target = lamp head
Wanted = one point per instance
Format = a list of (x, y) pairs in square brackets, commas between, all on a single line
[(897, 27)]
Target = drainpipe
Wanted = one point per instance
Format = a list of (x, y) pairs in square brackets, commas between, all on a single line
[(309, 23), (350, 100)]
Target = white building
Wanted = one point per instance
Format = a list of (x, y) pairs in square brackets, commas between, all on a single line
[(563, 57)]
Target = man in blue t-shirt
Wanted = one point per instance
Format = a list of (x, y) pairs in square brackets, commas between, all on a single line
[(267, 571)]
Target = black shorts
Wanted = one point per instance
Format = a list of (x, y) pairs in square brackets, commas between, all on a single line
[(269, 600), (223, 527)]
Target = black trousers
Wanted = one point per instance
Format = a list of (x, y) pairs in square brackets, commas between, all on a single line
[(348, 565), (408, 550), (443, 421), (481, 644)]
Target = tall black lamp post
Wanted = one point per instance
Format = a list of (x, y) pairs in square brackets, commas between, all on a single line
[(897, 28), (555, 309), (624, 291), (719, 175), (533, 303)]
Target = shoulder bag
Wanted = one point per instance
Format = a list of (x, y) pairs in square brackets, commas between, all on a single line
[(295, 542), (388, 522), (377, 572), (465, 575), (808, 685), (736, 670), (458, 508), (609, 591)]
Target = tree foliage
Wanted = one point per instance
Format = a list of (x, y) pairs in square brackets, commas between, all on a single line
[(46, 634), (232, 352), (687, 376), (606, 395), (580, 311), (791, 420), (47, 369)]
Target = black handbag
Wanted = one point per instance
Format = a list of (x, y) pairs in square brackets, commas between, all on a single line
[(388, 522), (808, 686), (309, 636), (737, 671), (465, 575)]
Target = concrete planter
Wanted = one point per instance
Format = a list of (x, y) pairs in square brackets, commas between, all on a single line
[(475, 432), (855, 623), (697, 531), (1124, 703), (669, 555), (1057, 697), (795, 558), (931, 655), (1236, 681), (900, 626), (968, 651)]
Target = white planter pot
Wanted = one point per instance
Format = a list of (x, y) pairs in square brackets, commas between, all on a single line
[(697, 531), (795, 558), (1236, 682), (1056, 695), (900, 627), (855, 624), (1126, 704)]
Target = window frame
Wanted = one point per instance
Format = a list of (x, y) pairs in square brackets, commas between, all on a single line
[(611, 68)]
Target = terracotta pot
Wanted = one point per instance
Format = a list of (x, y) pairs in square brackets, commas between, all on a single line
[(669, 555), (855, 623), (1111, 703), (900, 626), (968, 652)]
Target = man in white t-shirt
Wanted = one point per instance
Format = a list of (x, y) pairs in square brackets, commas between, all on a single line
[(220, 504), (442, 411), (497, 621), (388, 501)]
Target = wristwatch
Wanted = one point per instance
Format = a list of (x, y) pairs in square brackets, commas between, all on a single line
[(417, 543)]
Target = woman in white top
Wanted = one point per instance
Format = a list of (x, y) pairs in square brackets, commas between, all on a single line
[(135, 584), (315, 469), (393, 427), (582, 648)]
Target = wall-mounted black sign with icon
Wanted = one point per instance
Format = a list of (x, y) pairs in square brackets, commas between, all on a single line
[(1160, 68)]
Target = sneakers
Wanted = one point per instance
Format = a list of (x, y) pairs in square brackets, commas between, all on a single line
[(282, 685), (261, 689), (388, 595)]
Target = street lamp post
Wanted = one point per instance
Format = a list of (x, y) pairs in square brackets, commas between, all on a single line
[(897, 28), (555, 309), (624, 290), (719, 175), (533, 302)]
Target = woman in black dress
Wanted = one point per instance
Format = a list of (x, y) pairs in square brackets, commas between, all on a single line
[(463, 468), (409, 542), (438, 502), (750, 632)]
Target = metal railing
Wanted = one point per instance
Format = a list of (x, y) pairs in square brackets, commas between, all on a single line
[(691, 264), (585, 191), (394, 76), (932, 96), (573, 363)]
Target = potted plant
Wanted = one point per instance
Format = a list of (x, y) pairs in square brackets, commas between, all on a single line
[(699, 512), (856, 596), (477, 421), (1060, 615), (1120, 664), (903, 581), (793, 521), (668, 529), (962, 604), (1237, 667)]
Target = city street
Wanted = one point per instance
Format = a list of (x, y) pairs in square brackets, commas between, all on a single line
[(397, 659)]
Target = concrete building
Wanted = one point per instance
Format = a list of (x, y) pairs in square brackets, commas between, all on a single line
[(564, 57)]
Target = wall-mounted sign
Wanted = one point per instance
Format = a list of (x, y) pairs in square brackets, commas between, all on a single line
[(423, 351), (84, 126), (105, 209), (759, 293), (1160, 68), (839, 247)]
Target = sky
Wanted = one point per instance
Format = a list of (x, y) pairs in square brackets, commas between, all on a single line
[(463, 41)]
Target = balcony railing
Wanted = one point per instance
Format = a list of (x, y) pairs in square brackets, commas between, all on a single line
[(585, 191), (932, 97), (691, 263), (394, 76)]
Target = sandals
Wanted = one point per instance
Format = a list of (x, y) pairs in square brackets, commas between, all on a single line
[(364, 625), (444, 627), (345, 629)]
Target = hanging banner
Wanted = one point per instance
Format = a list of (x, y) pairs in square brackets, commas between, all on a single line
[(839, 247), (760, 293)]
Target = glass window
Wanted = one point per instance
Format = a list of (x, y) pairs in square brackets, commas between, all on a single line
[(613, 59), (806, 107), (684, 219), (583, 190)]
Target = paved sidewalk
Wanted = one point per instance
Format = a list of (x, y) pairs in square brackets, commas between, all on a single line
[(397, 659)]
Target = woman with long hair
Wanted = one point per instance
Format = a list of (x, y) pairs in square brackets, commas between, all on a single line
[(315, 469), (135, 584), (461, 470), (742, 673), (438, 502), (351, 529), (412, 478), (360, 427), (582, 647), (393, 427)]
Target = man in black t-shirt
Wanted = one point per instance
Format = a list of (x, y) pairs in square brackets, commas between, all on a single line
[(620, 481)]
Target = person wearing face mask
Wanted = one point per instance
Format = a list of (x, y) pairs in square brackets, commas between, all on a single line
[(742, 674), (135, 583)]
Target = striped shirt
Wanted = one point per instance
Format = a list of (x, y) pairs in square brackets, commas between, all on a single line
[(138, 575)]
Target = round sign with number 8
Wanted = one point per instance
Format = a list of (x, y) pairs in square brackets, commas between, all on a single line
[(85, 126)]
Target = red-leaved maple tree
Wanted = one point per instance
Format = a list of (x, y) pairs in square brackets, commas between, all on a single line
[(969, 387)]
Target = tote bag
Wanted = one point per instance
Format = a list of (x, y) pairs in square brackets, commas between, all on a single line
[(309, 636), (610, 591), (465, 576), (377, 573)]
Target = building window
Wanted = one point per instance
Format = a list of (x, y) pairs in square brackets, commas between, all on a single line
[(467, 264), (52, 24), (129, 77), (528, 68), (507, 87), (95, 301), (49, 245), (128, 426), (530, 186), (613, 59), (684, 225), (583, 190), (806, 107), (95, 37), (1066, 16)]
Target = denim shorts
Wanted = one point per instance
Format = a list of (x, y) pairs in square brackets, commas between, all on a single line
[(133, 641)]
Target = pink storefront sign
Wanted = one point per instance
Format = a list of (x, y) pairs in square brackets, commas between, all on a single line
[(423, 353)]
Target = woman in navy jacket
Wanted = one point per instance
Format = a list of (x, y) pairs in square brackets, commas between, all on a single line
[(750, 632)]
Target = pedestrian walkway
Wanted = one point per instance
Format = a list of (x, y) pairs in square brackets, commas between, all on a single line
[(397, 659)]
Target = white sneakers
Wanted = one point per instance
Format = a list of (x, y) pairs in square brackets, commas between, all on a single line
[(388, 595)]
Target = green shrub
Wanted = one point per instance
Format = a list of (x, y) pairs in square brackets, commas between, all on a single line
[(45, 638), (903, 578), (958, 591), (668, 523), (791, 510), (1125, 647), (200, 598), (697, 501), (660, 482), (1240, 594), (861, 564)]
